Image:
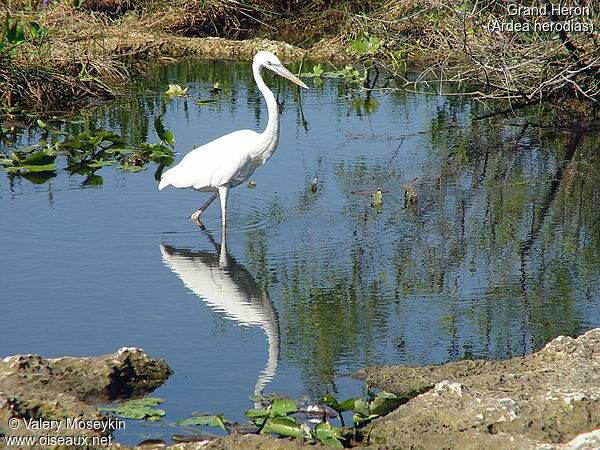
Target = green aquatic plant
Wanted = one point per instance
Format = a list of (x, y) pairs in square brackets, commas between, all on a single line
[(277, 419), (364, 409), (87, 151), (346, 405), (208, 420), (349, 73), (366, 45), (19, 31), (42, 161), (280, 417), (316, 72), (138, 409)]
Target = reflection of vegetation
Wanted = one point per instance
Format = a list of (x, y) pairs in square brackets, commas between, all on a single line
[(496, 258), (500, 253)]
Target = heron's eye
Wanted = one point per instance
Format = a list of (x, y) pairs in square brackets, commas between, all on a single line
[(269, 63)]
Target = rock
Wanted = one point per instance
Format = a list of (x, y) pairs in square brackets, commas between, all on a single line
[(586, 441), (538, 401), (32, 387)]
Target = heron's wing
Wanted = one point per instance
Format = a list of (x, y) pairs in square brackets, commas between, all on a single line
[(213, 164)]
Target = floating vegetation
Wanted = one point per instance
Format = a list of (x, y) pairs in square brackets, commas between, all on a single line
[(86, 152), (348, 73), (205, 101), (138, 409), (206, 420), (216, 88), (377, 200), (176, 90), (279, 416), (42, 161)]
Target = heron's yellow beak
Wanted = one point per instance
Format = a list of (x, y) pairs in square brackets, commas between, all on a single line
[(281, 70)]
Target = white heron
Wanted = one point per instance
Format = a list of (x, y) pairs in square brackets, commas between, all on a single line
[(230, 160)]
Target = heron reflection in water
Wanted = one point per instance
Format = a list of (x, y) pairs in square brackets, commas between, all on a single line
[(229, 289)]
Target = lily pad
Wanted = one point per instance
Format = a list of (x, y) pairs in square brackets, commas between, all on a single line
[(206, 420), (328, 434), (283, 407), (283, 426), (139, 409)]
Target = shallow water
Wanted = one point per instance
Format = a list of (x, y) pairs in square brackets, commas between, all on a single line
[(501, 253)]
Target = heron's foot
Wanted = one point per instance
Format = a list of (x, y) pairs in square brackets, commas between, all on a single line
[(196, 218)]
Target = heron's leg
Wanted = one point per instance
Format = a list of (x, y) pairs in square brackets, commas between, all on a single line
[(196, 216), (223, 193)]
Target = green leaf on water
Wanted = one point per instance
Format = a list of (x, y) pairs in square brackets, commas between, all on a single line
[(257, 413), (361, 407), (283, 407), (205, 101), (316, 72), (139, 409), (39, 159), (93, 180), (29, 148), (31, 168), (283, 426), (132, 168), (208, 420), (38, 177), (100, 163), (347, 405), (328, 434), (331, 401)]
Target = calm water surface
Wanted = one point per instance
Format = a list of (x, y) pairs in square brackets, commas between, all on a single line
[(501, 254)]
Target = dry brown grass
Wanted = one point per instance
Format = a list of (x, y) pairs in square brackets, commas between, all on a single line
[(446, 37), (45, 91)]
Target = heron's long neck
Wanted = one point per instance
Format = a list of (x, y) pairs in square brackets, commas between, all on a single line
[(271, 133)]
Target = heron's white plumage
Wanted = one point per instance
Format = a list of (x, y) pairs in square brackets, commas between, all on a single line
[(227, 159), (230, 160)]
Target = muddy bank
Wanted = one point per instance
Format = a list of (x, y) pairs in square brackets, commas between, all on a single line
[(32, 387)]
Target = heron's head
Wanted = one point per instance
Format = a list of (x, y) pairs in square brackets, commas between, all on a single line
[(271, 62)]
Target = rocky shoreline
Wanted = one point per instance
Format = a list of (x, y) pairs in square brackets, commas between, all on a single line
[(39, 389), (547, 400)]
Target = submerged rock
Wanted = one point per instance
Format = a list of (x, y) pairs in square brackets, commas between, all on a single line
[(32, 387), (543, 400)]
